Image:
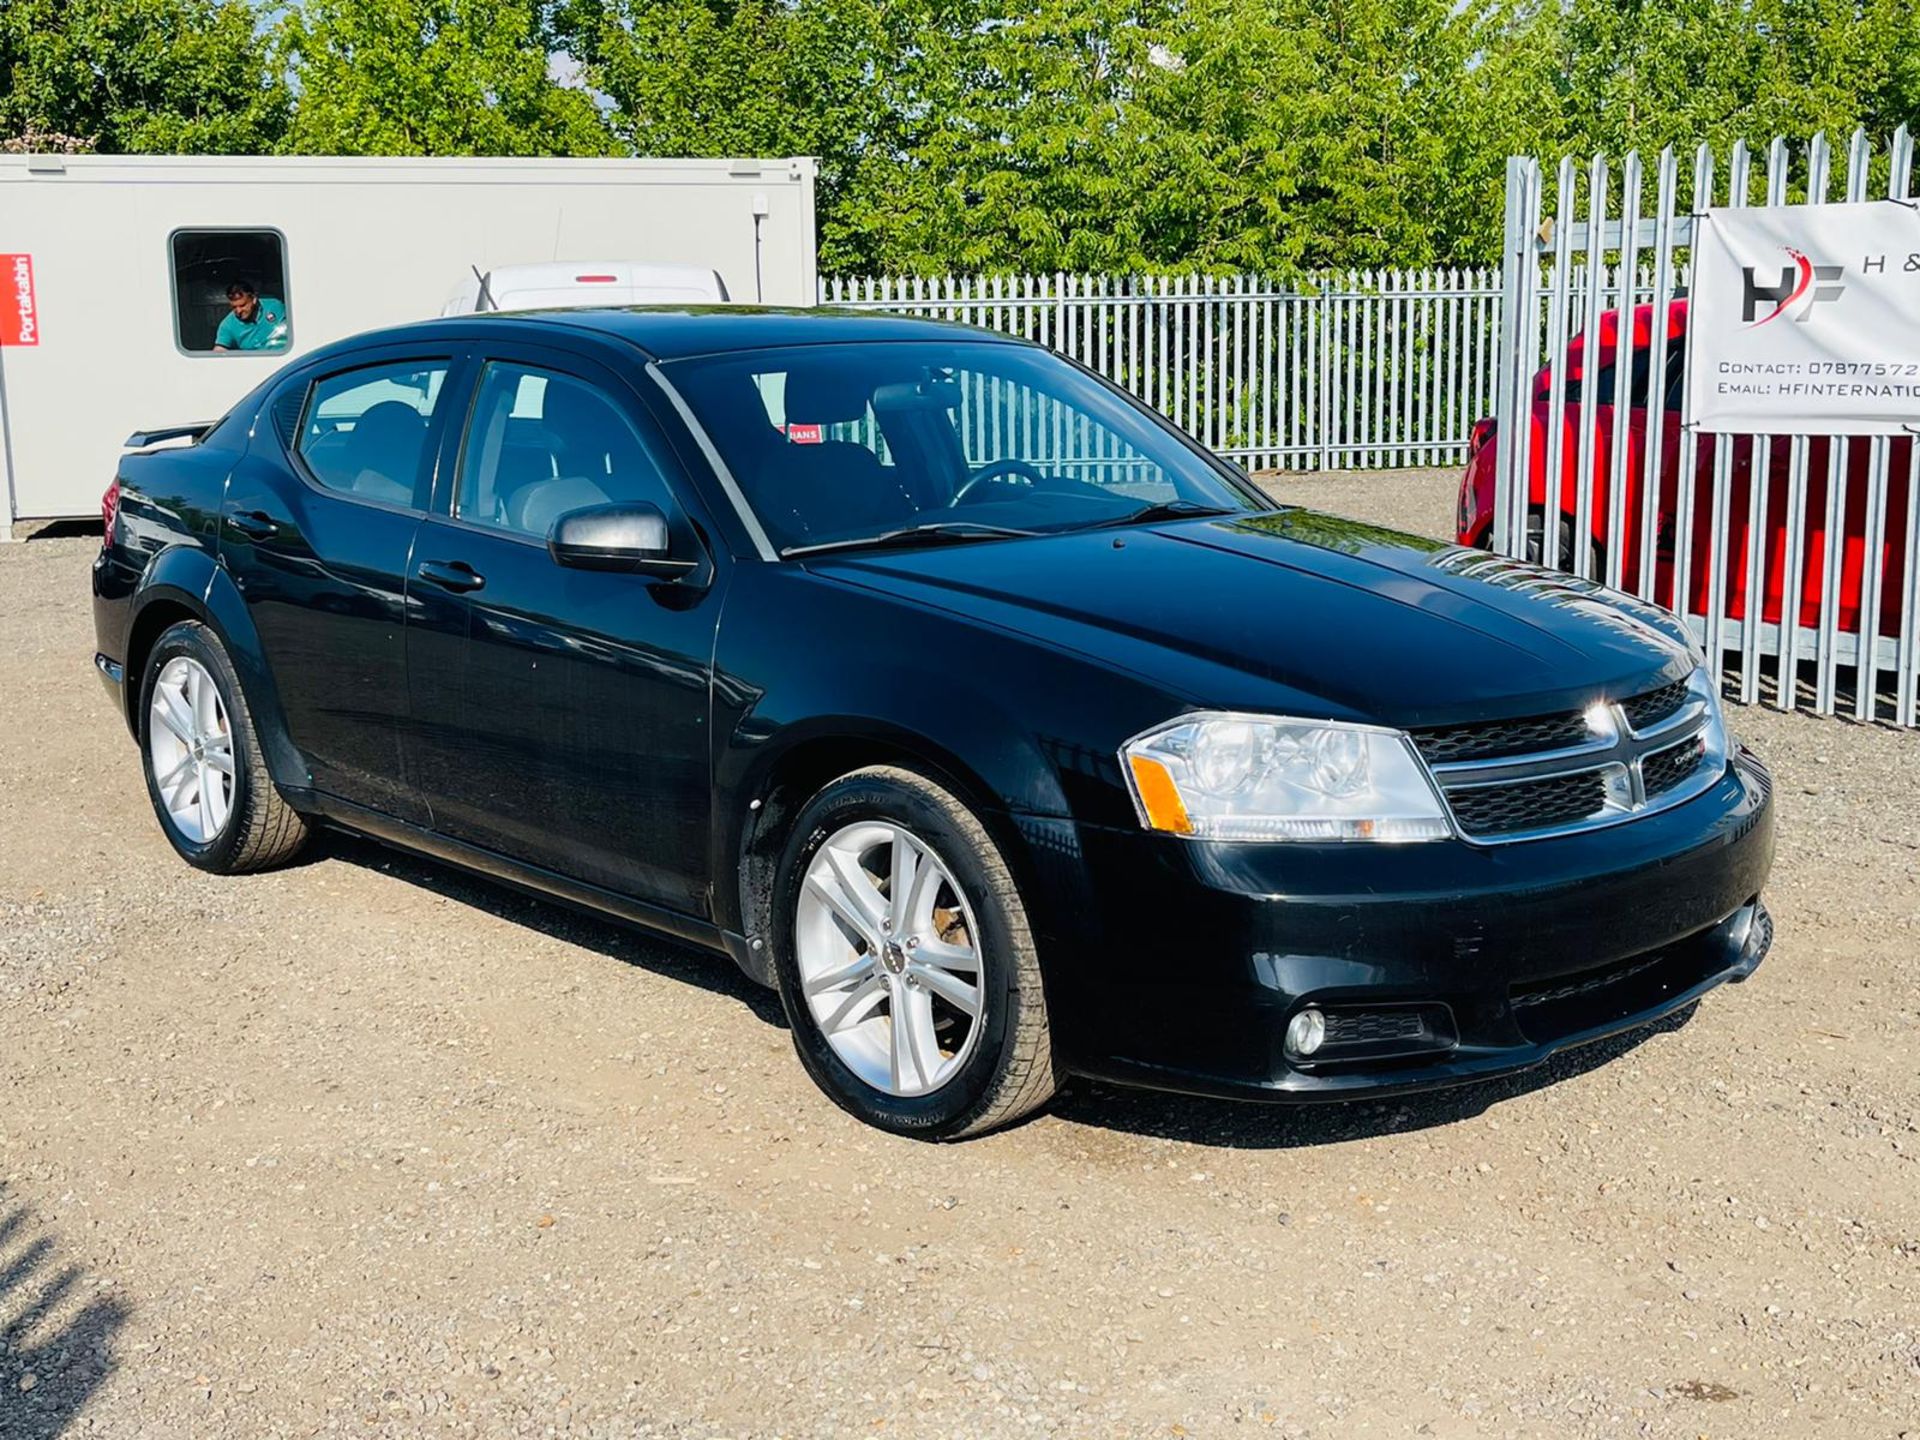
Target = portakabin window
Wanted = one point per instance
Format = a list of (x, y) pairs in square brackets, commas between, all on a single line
[(230, 292)]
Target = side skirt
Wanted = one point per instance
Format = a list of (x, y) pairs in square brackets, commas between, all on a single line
[(529, 879)]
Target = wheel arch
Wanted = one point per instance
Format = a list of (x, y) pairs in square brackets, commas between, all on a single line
[(183, 583), (780, 784)]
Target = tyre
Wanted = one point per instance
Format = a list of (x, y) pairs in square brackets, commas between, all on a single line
[(906, 963), (205, 774), (1537, 544)]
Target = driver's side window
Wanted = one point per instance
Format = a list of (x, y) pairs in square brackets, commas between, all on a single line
[(1013, 428), (540, 444)]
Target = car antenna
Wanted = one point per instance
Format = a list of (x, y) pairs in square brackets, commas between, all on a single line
[(485, 300)]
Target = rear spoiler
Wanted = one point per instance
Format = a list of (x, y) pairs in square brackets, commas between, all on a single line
[(140, 439)]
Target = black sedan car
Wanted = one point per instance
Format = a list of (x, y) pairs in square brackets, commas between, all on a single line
[(944, 687)]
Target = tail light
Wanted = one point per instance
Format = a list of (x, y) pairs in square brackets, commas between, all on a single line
[(109, 513), (1481, 433)]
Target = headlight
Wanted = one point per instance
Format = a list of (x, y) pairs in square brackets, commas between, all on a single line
[(1257, 777)]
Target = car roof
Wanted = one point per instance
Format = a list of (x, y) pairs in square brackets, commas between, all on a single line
[(676, 332)]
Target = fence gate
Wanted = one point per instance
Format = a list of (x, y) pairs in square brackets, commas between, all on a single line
[(1792, 558)]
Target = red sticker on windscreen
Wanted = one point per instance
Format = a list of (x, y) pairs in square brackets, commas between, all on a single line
[(19, 314), (804, 434)]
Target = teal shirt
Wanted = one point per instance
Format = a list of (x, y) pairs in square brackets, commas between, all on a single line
[(267, 331)]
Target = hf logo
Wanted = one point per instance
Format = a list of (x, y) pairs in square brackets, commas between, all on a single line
[(1802, 280)]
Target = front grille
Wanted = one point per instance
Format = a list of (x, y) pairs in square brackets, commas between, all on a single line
[(1498, 738), (1665, 769), (1648, 710), (1542, 804), (1515, 779)]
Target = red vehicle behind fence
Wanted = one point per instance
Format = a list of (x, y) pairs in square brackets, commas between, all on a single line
[(1597, 416)]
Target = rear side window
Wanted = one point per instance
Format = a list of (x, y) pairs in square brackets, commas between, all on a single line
[(230, 293), (541, 444), (364, 432)]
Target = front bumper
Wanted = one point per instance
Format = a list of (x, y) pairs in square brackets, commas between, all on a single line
[(1434, 963)]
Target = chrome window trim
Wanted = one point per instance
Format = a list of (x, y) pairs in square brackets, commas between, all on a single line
[(755, 532)]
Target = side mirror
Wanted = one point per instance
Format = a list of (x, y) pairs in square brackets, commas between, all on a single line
[(634, 539)]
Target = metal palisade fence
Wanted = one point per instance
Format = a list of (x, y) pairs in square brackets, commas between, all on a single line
[(1362, 370), (1791, 557)]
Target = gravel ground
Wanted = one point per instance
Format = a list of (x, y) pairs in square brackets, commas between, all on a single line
[(365, 1147)]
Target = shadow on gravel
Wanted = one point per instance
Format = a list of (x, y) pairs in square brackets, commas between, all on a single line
[(1244, 1125), (56, 1345), (624, 943)]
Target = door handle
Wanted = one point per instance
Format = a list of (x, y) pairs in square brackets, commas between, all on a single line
[(255, 523), (454, 575)]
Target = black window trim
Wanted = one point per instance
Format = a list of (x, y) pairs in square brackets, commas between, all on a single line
[(173, 290), (428, 453), (445, 509)]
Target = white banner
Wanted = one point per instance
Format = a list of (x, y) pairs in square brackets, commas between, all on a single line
[(1805, 319)]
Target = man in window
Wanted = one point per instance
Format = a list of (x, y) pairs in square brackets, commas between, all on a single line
[(257, 322)]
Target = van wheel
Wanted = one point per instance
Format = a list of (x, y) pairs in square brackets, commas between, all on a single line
[(205, 775), (906, 963)]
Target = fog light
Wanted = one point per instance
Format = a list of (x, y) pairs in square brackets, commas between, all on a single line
[(1306, 1032)]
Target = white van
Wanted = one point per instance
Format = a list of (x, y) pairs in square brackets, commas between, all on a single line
[(584, 283)]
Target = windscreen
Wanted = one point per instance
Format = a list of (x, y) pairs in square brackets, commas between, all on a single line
[(846, 442)]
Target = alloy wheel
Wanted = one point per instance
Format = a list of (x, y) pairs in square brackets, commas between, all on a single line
[(190, 749), (889, 958)]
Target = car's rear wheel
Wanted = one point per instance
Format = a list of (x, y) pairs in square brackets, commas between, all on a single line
[(205, 775), (906, 962)]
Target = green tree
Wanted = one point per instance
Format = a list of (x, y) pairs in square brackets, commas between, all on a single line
[(1108, 135), (1039, 139), (172, 76), (433, 77), (1214, 134), (1645, 75), (753, 77)]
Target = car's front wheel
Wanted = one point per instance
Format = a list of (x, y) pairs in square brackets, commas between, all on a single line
[(906, 962), (205, 774)]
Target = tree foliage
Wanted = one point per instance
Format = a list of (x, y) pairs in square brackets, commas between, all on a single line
[(1683, 71), (969, 134), (432, 77), (176, 76)]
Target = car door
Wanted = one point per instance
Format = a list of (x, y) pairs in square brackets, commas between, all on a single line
[(317, 532), (560, 715)]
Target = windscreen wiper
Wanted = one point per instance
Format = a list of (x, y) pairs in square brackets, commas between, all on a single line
[(1162, 510), (934, 531)]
